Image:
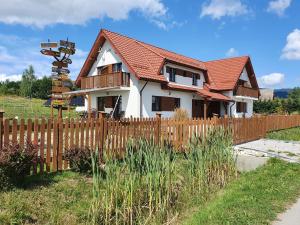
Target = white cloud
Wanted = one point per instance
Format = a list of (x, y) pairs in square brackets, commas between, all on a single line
[(232, 52), (291, 51), (4, 77), (42, 13), (21, 56), (271, 80), (220, 8), (279, 6)]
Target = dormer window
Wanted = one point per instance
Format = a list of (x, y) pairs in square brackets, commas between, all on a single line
[(195, 80)]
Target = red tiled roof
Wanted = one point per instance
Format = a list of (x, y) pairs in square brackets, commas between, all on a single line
[(202, 92), (144, 60), (212, 95), (225, 72)]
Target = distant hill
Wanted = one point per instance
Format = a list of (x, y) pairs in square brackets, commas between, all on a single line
[(281, 93)]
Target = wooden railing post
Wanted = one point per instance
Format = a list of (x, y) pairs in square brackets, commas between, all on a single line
[(1, 128), (158, 128)]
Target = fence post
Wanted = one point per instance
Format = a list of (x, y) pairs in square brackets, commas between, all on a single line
[(1, 128), (158, 127), (102, 120)]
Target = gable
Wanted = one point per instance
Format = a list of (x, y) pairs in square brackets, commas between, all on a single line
[(106, 56)]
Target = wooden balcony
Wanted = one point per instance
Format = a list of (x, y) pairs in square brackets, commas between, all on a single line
[(118, 79), (246, 91)]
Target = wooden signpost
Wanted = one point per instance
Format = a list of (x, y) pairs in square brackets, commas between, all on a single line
[(61, 82), (60, 78)]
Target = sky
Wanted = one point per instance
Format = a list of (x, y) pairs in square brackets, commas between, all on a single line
[(266, 30)]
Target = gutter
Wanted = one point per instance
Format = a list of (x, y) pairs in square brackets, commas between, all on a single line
[(141, 99)]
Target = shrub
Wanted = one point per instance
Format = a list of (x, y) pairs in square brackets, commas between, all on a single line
[(16, 161), (80, 159), (180, 114)]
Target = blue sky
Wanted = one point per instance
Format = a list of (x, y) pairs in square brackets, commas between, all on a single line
[(267, 30)]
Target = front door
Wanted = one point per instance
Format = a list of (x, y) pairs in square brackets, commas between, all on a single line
[(197, 108)]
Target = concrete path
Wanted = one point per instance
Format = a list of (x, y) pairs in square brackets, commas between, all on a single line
[(289, 217), (256, 153)]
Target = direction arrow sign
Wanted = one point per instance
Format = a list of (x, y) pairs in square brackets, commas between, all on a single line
[(69, 51), (59, 64), (64, 77), (59, 102), (67, 44), (60, 70), (56, 96), (67, 60), (49, 45), (56, 89), (67, 83), (50, 52), (56, 83)]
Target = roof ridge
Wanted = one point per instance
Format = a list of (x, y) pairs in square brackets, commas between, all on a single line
[(144, 43), (236, 57)]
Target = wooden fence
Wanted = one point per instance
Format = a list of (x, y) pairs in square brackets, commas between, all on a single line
[(54, 137)]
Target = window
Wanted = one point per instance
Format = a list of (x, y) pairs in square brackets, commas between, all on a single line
[(241, 107), (165, 103), (176, 103), (172, 73), (117, 67), (100, 103), (102, 70), (156, 106), (194, 77)]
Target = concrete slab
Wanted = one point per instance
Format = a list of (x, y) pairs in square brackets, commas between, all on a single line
[(248, 162), (289, 217), (286, 150)]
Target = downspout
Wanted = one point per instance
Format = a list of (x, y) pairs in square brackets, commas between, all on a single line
[(141, 99)]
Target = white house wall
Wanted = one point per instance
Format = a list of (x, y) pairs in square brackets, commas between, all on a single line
[(154, 89), (105, 57)]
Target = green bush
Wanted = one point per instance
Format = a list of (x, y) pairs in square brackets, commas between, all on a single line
[(80, 159), (16, 161)]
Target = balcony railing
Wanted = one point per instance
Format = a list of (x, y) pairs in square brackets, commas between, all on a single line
[(118, 79), (246, 91)]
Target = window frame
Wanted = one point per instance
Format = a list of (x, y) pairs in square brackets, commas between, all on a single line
[(172, 74), (194, 79), (241, 107), (156, 106), (117, 67)]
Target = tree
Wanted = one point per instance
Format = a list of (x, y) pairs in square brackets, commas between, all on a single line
[(42, 88), (28, 78)]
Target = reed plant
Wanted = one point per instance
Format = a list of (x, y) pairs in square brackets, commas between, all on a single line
[(148, 183)]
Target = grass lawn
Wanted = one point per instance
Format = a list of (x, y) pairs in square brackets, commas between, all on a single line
[(51, 199), (26, 108), (292, 134), (254, 198)]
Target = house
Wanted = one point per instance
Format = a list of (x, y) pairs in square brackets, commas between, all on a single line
[(126, 77)]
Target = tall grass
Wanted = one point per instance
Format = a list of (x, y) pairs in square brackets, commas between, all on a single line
[(148, 183)]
